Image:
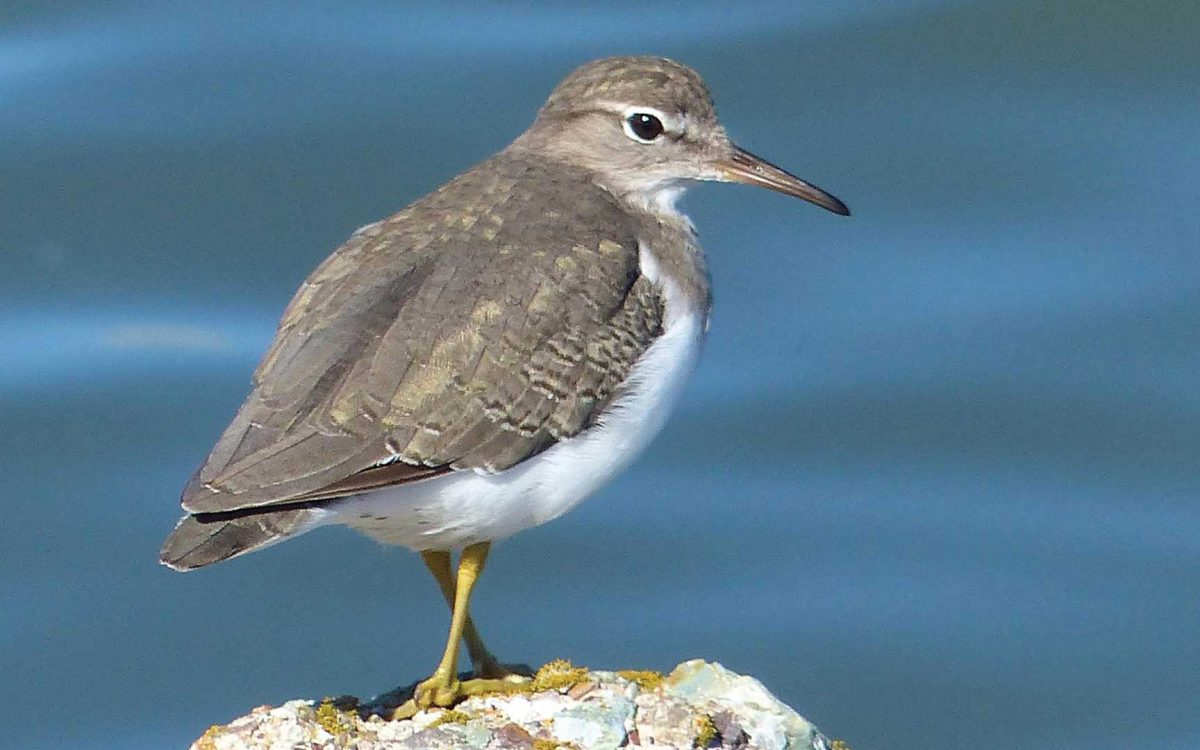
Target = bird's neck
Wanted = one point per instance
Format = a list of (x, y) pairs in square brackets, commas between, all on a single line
[(665, 230), (669, 236), (659, 200), (648, 191)]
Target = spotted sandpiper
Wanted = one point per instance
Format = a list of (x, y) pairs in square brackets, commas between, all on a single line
[(483, 360)]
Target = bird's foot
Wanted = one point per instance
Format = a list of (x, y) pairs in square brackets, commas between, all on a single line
[(444, 691), (495, 686)]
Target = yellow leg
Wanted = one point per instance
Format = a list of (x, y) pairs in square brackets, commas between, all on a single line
[(443, 688), (482, 661)]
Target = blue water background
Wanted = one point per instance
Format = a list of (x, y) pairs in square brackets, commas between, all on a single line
[(935, 481)]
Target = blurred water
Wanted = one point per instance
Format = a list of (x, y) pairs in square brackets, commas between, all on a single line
[(935, 481)]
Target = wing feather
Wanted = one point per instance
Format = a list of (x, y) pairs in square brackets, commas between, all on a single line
[(441, 339)]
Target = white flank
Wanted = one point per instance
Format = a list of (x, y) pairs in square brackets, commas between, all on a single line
[(464, 507)]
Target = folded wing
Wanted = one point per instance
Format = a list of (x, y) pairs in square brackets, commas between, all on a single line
[(460, 334)]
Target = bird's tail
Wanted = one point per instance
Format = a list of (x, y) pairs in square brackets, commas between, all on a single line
[(207, 538)]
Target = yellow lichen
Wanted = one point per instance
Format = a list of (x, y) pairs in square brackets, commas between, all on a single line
[(839, 745), (329, 717), (207, 741), (450, 716), (557, 675), (644, 678), (553, 744), (706, 730)]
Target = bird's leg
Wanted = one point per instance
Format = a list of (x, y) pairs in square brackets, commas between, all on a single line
[(443, 688), (482, 662)]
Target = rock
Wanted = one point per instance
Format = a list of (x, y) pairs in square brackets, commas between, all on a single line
[(699, 705)]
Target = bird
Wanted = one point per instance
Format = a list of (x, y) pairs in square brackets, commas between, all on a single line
[(480, 362)]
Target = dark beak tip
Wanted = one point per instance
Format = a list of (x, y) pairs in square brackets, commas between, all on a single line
[(743, 166)]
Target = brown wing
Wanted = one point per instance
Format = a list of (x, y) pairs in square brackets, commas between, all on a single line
[(459, 334)]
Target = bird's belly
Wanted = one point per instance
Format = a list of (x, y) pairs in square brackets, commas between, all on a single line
[(465, 507)]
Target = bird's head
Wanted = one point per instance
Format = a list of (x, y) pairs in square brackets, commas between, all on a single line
[(645, 126)]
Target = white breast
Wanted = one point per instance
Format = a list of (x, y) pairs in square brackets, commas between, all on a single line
[(464, 507)]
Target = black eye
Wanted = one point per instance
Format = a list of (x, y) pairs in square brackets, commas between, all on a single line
[(644, 127)]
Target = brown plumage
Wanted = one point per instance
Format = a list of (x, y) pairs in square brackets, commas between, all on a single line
[(438, 340), (482, 361), (493, 319)]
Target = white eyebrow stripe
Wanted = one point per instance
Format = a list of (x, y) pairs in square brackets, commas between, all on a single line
[(671, 123)]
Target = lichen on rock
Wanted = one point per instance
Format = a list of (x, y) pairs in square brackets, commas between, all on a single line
[(699, 705)]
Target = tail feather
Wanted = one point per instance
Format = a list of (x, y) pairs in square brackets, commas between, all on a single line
[(212, 537)]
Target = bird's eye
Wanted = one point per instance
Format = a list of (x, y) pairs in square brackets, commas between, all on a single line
[(643, 127)]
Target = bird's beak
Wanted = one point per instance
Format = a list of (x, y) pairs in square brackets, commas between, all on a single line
[(742, 166)]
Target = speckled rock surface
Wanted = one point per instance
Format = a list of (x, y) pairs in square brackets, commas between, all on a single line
[(700, 704)]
